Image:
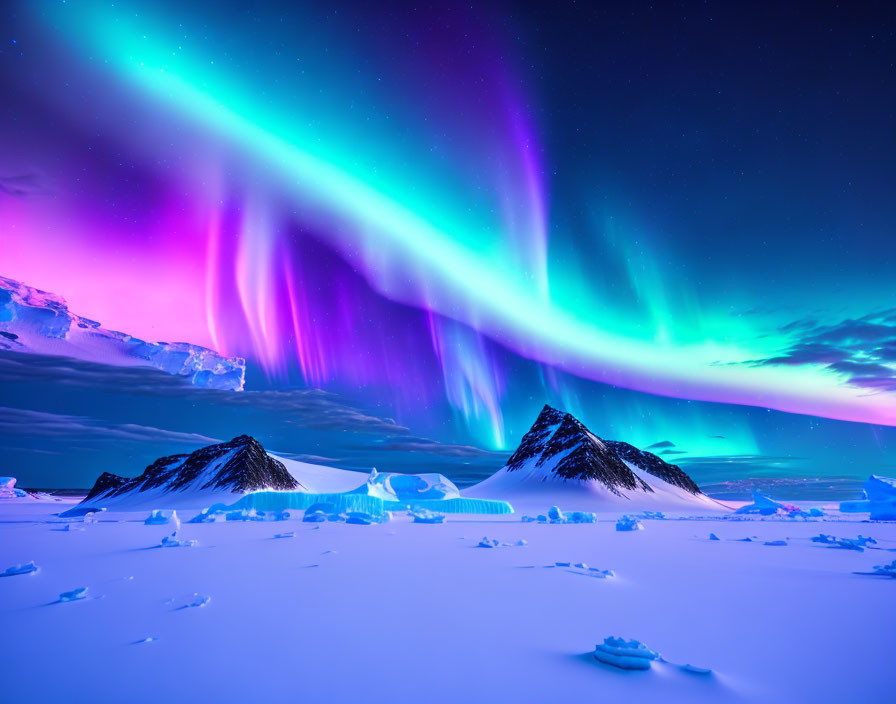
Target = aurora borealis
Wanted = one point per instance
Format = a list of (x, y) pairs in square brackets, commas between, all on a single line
[(456, 215)]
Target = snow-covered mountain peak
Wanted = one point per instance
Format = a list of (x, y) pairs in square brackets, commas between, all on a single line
[(560, 447), (235, 467), (560, 459)]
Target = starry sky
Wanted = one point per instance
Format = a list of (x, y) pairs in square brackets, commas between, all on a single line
[(675, 222)]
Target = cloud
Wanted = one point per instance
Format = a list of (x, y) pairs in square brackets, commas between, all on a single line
[(23, 186), (303, 408), (861, 350), (22, 423), (432, 447), (658, 445)]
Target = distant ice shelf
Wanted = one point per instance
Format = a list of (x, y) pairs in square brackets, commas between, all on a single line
[(37, 322)]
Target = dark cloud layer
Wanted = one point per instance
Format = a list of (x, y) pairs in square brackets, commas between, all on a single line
[(306, 408), (18, 422), (23, 185), (862, 350), (105, 418)]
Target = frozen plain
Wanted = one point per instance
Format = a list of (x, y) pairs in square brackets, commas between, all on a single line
[(404, 612)]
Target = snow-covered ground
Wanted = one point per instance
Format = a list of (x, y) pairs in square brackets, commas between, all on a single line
[(404, 611)]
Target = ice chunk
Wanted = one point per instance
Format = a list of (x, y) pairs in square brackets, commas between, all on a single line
[(209, 515), (243, 514), (627, 523), (423, 515), (822, 538), (765, 506), (816, 512), (74, 594), (555, 515), (365, 519), (652, 515), (713, 536), (148, 639), (162, 517), (191, 601), (219, 512), (581, 517), (8, 489), (878, 499), (314, 517), (627, 655), (287, 534), (322, 512), (584, 569), (694, 670), (27, 568), (848, 544), (888, 570), (172, 541), (775, 542), (495, 543)]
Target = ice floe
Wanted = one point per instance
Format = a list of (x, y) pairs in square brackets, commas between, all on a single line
[(217, 514), (8, 489), (888, 570), (627, 523), (764, 506), (191, 601), (651, 515), (625, 654), (74, 595), (424, 515), (162, 517), (287, 534), (858, 544), (878, 499), (487, 542), (172, 541), (555, 515), (27, 568), (583, 568), (208, 515), (364, 518), (323, 512)]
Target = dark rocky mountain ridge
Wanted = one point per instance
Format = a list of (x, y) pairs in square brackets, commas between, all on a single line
[(239, 465), (561, 443)]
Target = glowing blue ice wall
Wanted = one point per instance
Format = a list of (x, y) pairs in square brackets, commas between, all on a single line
[(281, 500)]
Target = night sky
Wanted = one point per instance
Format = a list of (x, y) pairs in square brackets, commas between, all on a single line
[(420, 223)]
